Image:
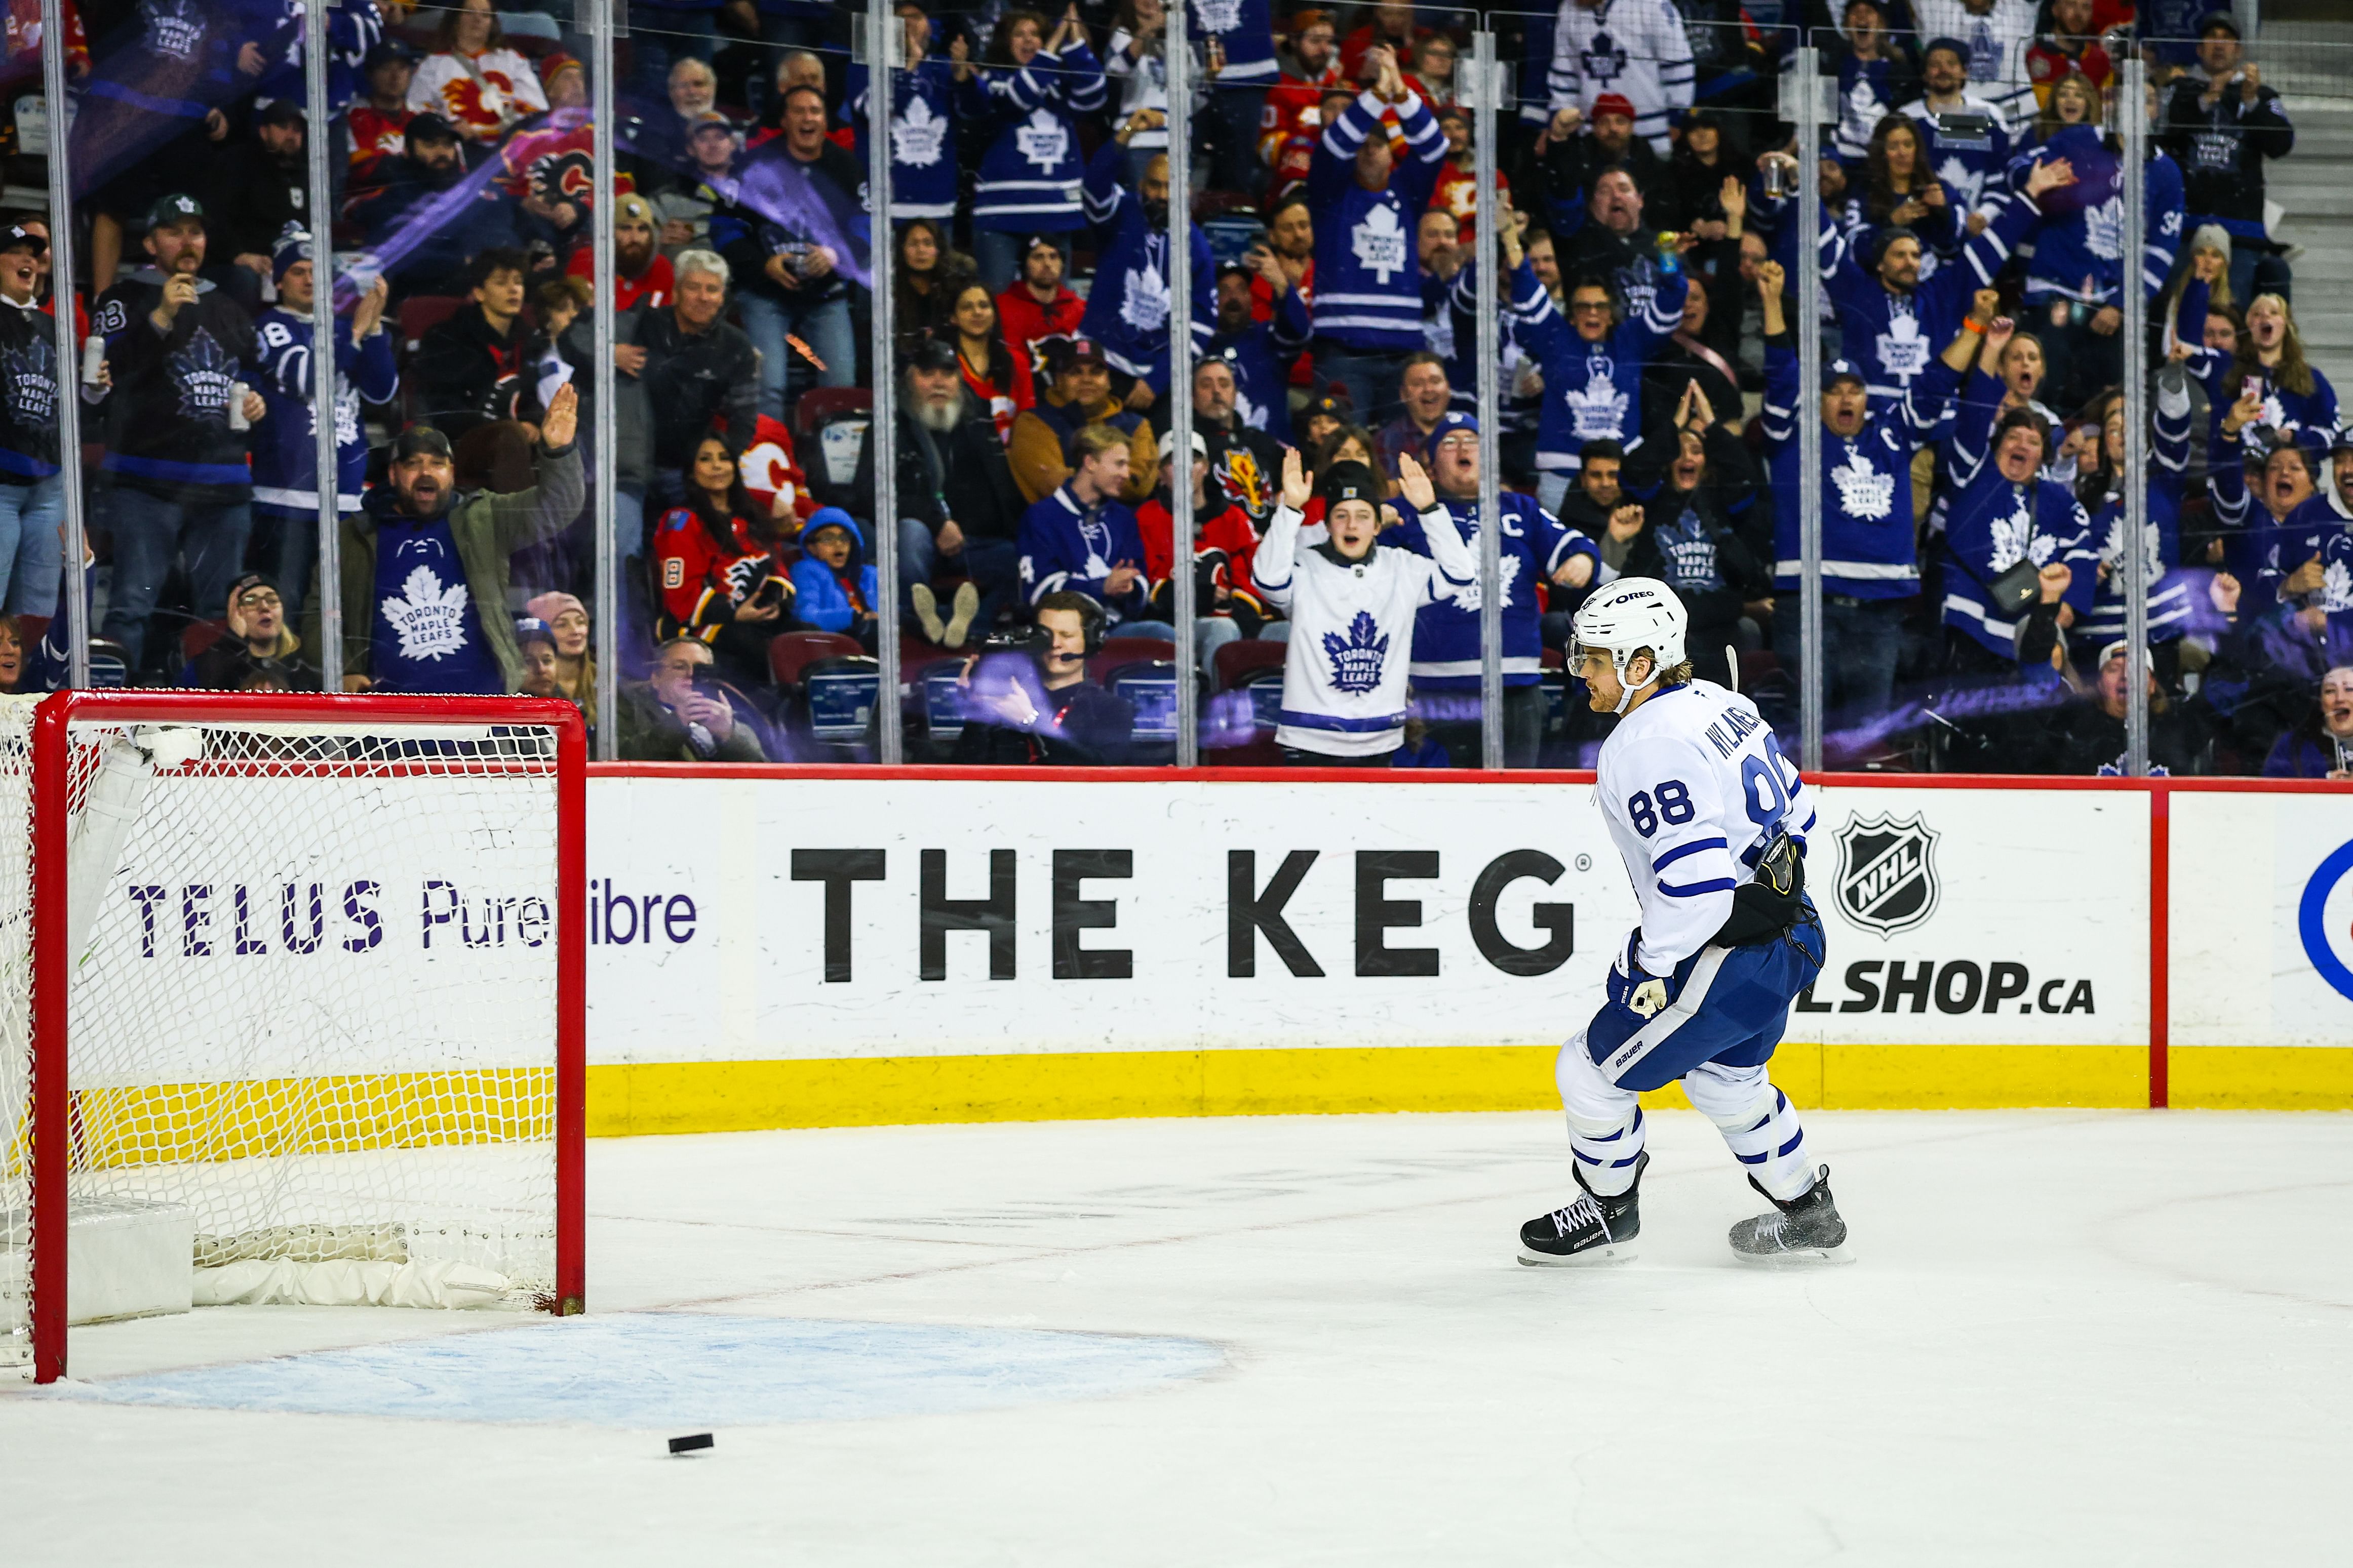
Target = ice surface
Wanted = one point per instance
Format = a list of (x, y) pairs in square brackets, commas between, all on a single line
[(2068, 1338), (662, 1370)]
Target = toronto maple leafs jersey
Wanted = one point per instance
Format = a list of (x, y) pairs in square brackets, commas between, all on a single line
[(1996, 43), (1068, 546), (1262, 355), (1128, 307), (1993, 524), (1030, 174), (2260, 549), (2170, 591), (2285, 409), (168, 415), (1867, 543), (1867, 90), (1693, 786), (1971, 160), (286, 451), (1445, 633), (1367, 268), (425, 632), (1244, 28), (922, 136), (1592, 391), (2083, 232), (1894, 338), (1638, 48), (30, 389), (1344, 679)]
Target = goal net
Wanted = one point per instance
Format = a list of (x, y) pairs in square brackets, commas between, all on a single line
[(290, 1006)]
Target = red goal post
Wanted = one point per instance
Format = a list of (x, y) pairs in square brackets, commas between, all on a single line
[(302, 976)]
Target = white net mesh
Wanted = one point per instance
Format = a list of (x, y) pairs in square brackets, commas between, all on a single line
[(313, 1000)]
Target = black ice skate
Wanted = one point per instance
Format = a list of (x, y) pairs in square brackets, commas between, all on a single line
[(1806, 1230), (1593, 1229)]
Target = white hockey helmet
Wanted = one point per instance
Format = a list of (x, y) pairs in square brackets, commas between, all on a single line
[(1631, 614)]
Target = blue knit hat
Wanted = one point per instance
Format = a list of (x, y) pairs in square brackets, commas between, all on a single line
[(293, 245), (1448, 423)]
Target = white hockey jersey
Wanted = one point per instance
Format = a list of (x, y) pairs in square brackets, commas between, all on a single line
[(1693, 786), (1343, 679), (1997, 36), (1637, 47)]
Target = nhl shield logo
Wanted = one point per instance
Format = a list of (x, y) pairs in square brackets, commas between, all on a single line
[(1887, 872)]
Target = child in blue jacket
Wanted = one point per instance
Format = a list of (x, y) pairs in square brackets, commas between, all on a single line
[(834, 584)]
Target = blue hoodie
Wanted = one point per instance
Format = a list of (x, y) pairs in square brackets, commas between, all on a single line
[(818, 598)]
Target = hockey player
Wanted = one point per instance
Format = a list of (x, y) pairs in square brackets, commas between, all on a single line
[(1352, 606), (1711, 821)]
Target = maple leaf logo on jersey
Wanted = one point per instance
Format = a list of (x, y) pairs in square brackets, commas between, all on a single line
[(1143, 303), (2336, 587), (2104, 228), (1597, 409), (1966, 184), (174, 31), (203, 372), (2113, 550), (1471, 596), (32, 382), (1602, 60), (1863, 491), (1043, 140), (2013, 536), (429, 619), (1902, 352), (1219, 17), (1380, 242), (1984, 52), (1356, 658), (916, 135)]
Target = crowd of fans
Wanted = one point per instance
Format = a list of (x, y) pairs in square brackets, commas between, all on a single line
[(1646, 252)]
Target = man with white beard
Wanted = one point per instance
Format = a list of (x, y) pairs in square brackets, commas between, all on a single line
[(956, 496)]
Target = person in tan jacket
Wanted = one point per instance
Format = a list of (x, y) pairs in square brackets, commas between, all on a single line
[(1078, 394)]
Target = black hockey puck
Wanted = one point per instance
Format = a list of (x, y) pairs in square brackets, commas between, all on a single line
[(689, 1443)]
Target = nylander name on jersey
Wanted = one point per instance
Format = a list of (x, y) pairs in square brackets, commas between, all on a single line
[(1693, 786)]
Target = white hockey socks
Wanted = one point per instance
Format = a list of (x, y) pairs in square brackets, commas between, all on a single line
[(1758, 1123), (1605, 1123)]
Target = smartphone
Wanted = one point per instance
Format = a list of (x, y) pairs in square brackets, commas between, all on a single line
[(705, 679), (772, 592)]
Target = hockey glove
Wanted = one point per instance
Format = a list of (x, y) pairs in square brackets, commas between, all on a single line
[(1630, 987)]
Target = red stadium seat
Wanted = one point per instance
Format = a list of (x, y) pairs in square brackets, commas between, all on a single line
[(792, 653), (1236, 661), (1118, 653), (198, 635), (420, 313), (820, 404)]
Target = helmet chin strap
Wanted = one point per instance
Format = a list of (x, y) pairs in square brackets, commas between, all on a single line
[(1626, 688)]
